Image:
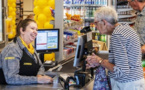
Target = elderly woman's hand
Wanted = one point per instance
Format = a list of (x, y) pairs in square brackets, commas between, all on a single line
[(92, 61)]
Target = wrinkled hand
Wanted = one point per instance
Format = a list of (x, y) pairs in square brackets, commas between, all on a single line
[(143, 49), (92, 61), (44, 79)]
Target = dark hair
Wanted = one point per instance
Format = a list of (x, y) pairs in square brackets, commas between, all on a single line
[(22, 24)]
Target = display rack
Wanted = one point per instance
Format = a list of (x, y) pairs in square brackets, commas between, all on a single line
[(125, 12), (59, 17), (86, 10)]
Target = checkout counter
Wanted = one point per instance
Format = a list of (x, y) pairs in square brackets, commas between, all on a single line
[(54, 86), (56, 83)]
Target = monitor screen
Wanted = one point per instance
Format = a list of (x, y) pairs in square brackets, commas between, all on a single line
[(47, 40), (84, 47)]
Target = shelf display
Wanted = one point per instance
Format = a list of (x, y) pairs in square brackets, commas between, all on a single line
[(77, 15), (85, 10), (125, 13)]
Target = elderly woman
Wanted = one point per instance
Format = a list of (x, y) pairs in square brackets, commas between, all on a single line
[(19, 62), (124, 62)]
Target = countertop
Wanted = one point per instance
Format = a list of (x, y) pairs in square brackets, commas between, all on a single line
[(56, 84)]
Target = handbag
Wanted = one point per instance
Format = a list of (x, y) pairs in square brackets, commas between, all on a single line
[(102, 81)]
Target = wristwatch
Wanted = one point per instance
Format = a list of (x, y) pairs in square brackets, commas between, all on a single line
[(100, 61)]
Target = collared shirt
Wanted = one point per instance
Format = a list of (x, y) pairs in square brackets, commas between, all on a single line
[(140, 25), (10, 61), (125, 54)]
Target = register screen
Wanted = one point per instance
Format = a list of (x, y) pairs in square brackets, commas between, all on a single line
[(47, 40)]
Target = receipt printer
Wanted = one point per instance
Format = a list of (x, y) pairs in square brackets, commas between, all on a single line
[(81, 78)]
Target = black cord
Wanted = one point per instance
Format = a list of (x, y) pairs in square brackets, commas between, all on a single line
[(61, 84)]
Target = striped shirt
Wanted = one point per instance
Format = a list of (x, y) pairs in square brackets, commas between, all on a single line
[(10, 61), (125, 54), (140, 25)]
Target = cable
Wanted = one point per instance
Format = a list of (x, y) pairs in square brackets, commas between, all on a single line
[(61, 84)]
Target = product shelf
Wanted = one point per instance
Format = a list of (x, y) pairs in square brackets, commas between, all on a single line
[(125, 16), (124, 9)]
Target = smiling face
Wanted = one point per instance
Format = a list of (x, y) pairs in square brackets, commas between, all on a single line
[(30, 33)]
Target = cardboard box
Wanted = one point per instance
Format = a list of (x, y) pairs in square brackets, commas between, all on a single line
[(100, 45)]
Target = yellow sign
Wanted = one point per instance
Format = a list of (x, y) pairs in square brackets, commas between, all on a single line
[(6, 58), (27, 63)]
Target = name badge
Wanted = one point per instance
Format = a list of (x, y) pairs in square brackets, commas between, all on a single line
[(27, 63)]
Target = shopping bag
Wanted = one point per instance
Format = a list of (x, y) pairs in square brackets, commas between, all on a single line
[(101, 82)]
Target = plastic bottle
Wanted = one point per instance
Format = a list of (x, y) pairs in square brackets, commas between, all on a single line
[(86, 1), (94, 28), (99, 2), (64, 11), (82, 11), (76, 11), (105, 38), (82, 2), (72, 11), (89, 2), (94, 9), (79, 10), (90, 12), (99, 36), (96, 36), (64, 1), (69, 11), (106, 2), (96, 2), (87, 11), (92, 2), (91, 26)]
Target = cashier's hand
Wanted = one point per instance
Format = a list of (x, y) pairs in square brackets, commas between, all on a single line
[(44, 79), (92, 61), (143, 49)]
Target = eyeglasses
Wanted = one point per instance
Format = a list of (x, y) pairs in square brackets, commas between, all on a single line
[(96, 22)]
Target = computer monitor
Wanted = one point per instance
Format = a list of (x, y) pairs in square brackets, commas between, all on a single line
[(84, 47), (47, 40)]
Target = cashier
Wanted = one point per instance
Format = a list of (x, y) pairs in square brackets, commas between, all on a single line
[(19, 63)]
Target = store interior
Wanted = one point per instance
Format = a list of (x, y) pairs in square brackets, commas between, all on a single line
[(71, 22)]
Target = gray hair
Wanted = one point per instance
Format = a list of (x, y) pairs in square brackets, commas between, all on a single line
[(107, 13)]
